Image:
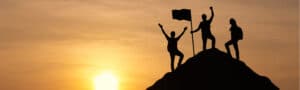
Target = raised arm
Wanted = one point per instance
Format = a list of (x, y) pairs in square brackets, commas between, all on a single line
[(212, 14), (182, 33), (162, 29)]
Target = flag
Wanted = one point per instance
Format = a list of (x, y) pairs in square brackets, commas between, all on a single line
[(182, 14)]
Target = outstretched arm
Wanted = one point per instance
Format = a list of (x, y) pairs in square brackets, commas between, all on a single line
[(182, 33), (162, 29), (196, 30), (212, 14)]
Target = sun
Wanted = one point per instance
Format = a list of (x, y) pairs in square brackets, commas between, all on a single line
[(106, 81)]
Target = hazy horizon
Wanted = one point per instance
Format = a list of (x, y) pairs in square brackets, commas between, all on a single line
[(64, 44)]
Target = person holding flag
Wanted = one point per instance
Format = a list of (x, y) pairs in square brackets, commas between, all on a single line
[(172, 46), (205, 26)]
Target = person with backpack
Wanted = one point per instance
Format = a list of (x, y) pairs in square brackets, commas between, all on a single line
[(236, 35)]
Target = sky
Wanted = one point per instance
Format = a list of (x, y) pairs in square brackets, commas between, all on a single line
[(64, 44)]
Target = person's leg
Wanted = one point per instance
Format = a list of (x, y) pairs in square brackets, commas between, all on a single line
[(236, 47), (172, 61), (181, 56), (204, 39), (227, 47), (213, 41)]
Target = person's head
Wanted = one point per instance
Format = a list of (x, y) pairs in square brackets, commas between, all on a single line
[(204, 17), (172, 34), (232, 21)]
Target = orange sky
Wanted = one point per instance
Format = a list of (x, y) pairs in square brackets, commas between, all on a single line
[(63, 44)]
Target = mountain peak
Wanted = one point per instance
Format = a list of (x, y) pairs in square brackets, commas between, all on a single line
[(213, 69)]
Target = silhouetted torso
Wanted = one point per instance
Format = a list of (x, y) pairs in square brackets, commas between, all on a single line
[(236, 33), (172, 44), (205, 26)]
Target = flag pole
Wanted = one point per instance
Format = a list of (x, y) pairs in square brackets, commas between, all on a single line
[(192, 35)]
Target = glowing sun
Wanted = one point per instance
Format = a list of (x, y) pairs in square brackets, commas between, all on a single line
[(106, 81)]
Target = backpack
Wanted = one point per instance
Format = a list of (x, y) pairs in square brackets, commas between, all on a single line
[(239, 33), (236, 33)]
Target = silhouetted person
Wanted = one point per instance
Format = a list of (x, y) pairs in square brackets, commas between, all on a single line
[(172, 46), (236, 35), (205, 26)]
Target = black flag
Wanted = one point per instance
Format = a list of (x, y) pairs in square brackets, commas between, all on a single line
[(183, 14)]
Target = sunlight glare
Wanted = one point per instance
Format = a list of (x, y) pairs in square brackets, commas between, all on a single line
[(106, 81)]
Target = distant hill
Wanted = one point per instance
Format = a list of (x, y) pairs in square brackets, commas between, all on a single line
[(213, 70)]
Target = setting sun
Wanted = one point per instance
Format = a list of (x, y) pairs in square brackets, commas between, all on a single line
[(106, 81)]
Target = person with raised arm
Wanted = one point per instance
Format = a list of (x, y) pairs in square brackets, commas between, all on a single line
[(172, 46), (205, 29)]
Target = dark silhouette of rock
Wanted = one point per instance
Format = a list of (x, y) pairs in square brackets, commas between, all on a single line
[(213, 69)]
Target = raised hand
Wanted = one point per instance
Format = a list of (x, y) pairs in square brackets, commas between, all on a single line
[(160, 25), (211, 8), (185, 28)]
